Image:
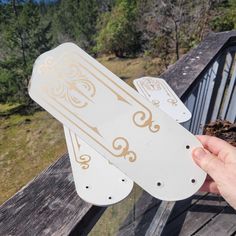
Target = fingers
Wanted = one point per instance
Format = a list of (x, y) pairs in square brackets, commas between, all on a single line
[(209, 163), (213, 144), (210, 186)]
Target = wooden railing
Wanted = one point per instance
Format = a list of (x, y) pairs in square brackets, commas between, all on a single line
[(214, 97), (48, 205)]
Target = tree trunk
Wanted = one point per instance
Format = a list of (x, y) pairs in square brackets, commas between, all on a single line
[(176, 40)]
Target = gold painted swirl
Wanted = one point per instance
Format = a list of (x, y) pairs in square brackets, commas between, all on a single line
[(151, 84), (71, 84), (141, 120), (76, 92), (83, 160), (122, 145), (46, 65)]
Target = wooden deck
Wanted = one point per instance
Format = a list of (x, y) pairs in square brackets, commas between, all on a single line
[(49, 205), (202, 214)]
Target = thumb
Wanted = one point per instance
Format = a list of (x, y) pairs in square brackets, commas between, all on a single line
[(209, 163)]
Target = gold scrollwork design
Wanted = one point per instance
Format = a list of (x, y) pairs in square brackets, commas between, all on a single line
[(83, 160), (71, 89), (122, 145), (47, 64), (151, 84), (141, 120), (75, 87)]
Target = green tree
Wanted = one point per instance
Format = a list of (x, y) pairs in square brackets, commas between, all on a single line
[(76, 21), (24, 38), (118, 33), (87, 18), (225, 20), (66, 20)]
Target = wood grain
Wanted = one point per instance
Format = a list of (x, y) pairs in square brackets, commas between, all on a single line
[(48, 205)]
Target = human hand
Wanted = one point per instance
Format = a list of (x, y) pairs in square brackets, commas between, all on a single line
[(218, 160)]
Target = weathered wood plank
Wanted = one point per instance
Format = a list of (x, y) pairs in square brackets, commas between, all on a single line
[(48, 205), (196, 217), (223, 223), (181, 207), (160, 219)]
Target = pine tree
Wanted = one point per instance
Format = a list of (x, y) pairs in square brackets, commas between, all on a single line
[(87, 18), (76, 21), (24, 38), (66, 20)]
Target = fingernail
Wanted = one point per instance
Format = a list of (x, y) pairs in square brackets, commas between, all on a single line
[(199, 153)]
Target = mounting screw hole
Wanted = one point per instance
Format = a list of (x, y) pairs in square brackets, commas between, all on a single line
[(110, 198), (187, 146), (123, 180), (193, 181), (87, 187), (159, 184)]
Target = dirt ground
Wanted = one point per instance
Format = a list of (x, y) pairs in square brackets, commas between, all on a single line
[(222, 129)]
